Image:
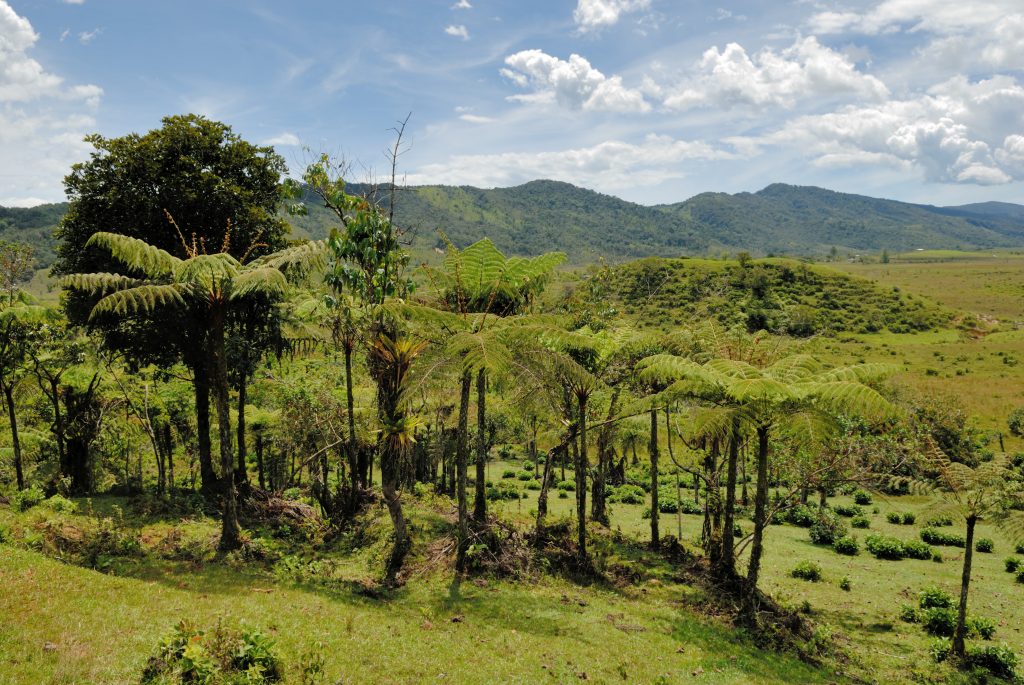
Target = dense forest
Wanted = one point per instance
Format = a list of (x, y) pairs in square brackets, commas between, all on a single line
[(329, 399)]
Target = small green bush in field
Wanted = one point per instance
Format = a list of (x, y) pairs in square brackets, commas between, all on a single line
[(985, 545), (939, 521), (1020, 575), (1020, 548), (915, 549), (24, 500), (909, 614), (937, 537), (845, 584), (939, 622), (1000, 661), (807, 570), (884, 547), (221, 655), (933, 597), (1012, 564), (61, 505), (861, 497), (847, 545), (980, 626), (508, 473), (860, 522), (848, 511), (908, 518)]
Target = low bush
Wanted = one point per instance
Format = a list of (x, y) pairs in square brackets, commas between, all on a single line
[(937, 537), (884, 547), (860, 522), (503, 491), (861, 497), (807, 570), (845, 585), (847, 545), (23, 500), (901, 518), (1012, 564), (525, 475), (1020, 548), (979, 626), (848, 511), (567, 485), (908, 518), (915, 549), (933, 597), (1020, 575), (827, 528), (939, 622), (909, 614), (222, 655), (61, 505), (939, 521), (528, 465), (562, 494), (1000, 661), (533, 485), (985, 545), (628, 494), (801, 515), (893, 517), (508, 473)]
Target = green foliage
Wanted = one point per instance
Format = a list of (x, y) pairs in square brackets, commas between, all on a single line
[(939, 521), (933, 597), (905, 518), (862, 497), (221, 656), (807, 570), (60, 505), (939, 621), (884, 547), (915, 549), (985, 545), (567, 485), (848, 511), (860, 521), (999, 661), (845, 584), (909, 614), (508, 473), (827, 528), (502, 491), (628, 494), (937, 537), (982, 627), (23, 500), (847, 545), (1015, 421), (802, 515), (1012, 564), (1020, 548)]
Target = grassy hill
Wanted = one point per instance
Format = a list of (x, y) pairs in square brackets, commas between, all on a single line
[(548, 215), (779, 295)]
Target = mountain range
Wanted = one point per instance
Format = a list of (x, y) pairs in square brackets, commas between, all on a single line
[(542, 216)]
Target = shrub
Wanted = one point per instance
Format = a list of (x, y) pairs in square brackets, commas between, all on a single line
[(508, 473), (847, 545), (24, 500), (503, 491), (860, 522), (985, 545), (937, 537), (224, 654), (915, 549), (525, 475), (940, 649), (937, 557), (567, 486), (933, 597), (1020, 548), (845, 584), (939, 521), (1020, 575), (893, 517), (884, 547), (827, 528), (861, 497), (1012, 564), (562, 494), (939, 622), (980, 626), (908, 518), (628, 494), (533, 485), (909, 614), (1000, 661), (848, 511), (61, 505), (807, 570), (528, 465), (801, 515)]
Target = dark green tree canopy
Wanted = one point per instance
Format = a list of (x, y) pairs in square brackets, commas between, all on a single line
[(190, 187)]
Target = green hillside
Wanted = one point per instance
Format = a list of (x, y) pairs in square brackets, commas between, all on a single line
[(778, 295), (548, 215)]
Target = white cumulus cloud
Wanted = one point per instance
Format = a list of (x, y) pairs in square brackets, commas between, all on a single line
[(285, 138), (572, 83), (457, 30), (42, 119), (462, 5), (592, 15), (807, 69)]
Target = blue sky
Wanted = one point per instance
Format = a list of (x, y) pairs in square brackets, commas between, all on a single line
[(649, 100)]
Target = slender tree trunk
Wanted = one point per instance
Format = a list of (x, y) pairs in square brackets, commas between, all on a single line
[(965, 583), (822, 497), (727, 565), (355, 465), (598, 508), (242, 474), (259, 460), (480, 500), (545, 484), (749, 609), (461, 464), (169, 449), (581, 483), (230, 536), (58, 427), (655, 535), (15, 442), (207, 477)]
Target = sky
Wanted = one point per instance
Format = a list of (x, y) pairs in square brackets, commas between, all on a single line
[(652, 101)]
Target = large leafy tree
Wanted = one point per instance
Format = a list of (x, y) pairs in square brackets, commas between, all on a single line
[(191, 186), (204, 288)]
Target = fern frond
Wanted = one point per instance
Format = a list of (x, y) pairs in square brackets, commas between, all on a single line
[(261, 280), (136, 254), (301, 259), (861, 373), (99, 283), (144, 298)]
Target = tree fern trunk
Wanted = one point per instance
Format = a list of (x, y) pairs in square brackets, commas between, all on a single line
[(581, 483), (242, 472), (15, 442), (727, 565), (749, 609), (230, 533), (201, 384), (965, 583), (480, 500), (655, 535), (461, 463)]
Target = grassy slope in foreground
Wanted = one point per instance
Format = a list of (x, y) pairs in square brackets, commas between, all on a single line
[(103, 628)]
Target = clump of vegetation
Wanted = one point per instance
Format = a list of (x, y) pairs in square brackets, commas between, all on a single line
[(1012, 564), (862, 497), (860, 521), (985, 545), (844, 584), (628, 494), (807, 570), (849, 511), (941, 521), (847, 545), (886, 547), (827, 528), (24, 500), (221, 656), (937, 537), (905, 518)]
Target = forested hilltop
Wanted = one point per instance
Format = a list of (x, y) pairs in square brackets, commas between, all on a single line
[(548, 215)]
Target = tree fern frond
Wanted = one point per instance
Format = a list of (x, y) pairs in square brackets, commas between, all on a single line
[(261, 280), (303, 258), (860, 373), (848, 397), (136, 254), (144, 298), (98, 283)]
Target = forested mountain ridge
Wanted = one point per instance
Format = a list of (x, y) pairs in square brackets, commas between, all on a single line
[(550, 215)]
